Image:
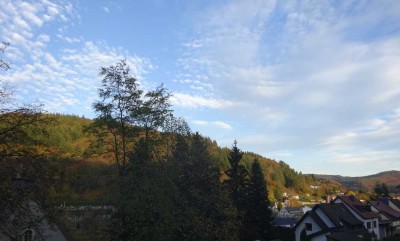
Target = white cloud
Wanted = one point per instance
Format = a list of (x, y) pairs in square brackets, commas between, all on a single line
[(314, 73), (106, 9), (293, 77), (190, 101), (68, 39), (219, 124)]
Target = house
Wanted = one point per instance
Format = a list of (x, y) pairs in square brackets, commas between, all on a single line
[(293, 212), (344, 236), (393, 203), (328, 221), (27, 222), (284, 213), (389, 223), (362, 212)]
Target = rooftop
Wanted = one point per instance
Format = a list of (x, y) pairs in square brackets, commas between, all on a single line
[(384, 208), (362, 209)]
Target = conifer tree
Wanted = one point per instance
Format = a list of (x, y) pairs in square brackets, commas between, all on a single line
[(259, 216), (238, 178), (205, 209)]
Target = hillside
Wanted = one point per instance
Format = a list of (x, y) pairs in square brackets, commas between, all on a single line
[(70, 140), (390, 178)]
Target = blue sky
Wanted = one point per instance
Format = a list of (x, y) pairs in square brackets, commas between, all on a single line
[(313, 83)]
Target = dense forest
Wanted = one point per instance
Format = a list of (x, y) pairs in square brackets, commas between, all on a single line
[(136, 171), (69, 138)]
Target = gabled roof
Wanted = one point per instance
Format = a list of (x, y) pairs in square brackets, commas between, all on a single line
[(284, 221), (315, 217), (396, 202), (339, 214), (359, 207), (384, 208), (318, 220)]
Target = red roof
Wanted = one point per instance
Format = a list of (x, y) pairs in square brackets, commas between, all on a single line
[(362, 209)]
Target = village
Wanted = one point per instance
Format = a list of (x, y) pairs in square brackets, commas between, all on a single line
[(338, 218)]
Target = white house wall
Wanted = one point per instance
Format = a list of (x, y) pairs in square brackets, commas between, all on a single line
[(301, 226), (320, 237), (365, 221)]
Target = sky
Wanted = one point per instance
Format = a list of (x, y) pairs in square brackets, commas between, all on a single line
[(315, 84)]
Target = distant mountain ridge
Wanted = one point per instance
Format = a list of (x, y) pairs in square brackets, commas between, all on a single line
[(390, 178)]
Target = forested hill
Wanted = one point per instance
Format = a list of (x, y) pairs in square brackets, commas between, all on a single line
[(390, 178), (71, 140)]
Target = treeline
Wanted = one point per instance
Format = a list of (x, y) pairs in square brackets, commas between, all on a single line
[(165, 184), (69, 136), (163, 181)]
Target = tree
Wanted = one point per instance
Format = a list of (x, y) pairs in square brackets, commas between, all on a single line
[(120, 97), (129, 120), (381, 190), (25, 172), (3, 64), (205, 210), (258, 217), (124, 111), (238, 178)]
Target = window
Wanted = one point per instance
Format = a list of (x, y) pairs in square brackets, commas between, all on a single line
[(374, 224), (28, 235), (309, 226), (368, 225)]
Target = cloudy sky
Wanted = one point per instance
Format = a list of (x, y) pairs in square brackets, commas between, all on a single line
[(313, 83)]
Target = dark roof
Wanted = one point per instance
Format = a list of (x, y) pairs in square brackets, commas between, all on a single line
[(383, 199), (294, 209), (359, 207), (284, 222), (339, 214), (340, 217), (396, 202), (385, 209), (318, 220), (314, 216)]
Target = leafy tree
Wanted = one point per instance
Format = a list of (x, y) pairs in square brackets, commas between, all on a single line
[(25, 172), (124, 111), (120, 99), (129, 121)]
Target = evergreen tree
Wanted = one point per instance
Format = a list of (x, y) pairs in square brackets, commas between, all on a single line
[(259, 216), (205, 209), (238, 178), (381, 190)]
